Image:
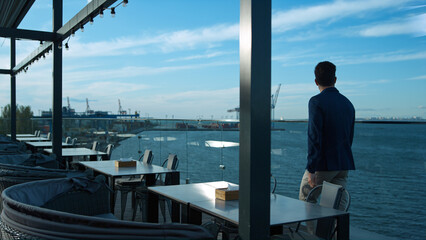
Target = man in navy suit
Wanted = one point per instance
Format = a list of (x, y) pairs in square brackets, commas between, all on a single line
[(330, 133)]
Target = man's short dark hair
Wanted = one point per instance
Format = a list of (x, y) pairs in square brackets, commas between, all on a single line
[(325, 73)]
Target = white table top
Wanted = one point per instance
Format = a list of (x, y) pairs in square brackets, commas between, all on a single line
[(46, 144), (74, 152), (22, 135), (109, 168), (284, 210), (32, 139)]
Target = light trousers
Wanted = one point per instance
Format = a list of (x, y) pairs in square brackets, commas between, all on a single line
[(335, 177)]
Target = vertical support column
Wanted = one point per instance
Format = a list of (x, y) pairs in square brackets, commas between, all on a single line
[(12, 89), (57, 83), (255, 118)]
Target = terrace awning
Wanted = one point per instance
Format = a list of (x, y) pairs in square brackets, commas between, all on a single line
[(13, 11)]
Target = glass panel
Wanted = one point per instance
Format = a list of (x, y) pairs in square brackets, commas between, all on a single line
[(387, 182)]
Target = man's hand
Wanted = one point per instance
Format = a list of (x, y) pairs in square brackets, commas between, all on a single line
[(312, 179)]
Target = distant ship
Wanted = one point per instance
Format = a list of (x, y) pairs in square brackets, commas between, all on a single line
[(68, 112)]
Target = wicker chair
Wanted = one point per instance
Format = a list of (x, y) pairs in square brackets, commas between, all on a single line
[(11, 175), (76, 208)]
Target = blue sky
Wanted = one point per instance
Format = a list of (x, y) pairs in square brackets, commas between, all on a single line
[(181, 58)]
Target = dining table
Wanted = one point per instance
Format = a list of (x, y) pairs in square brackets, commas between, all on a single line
[(150, 172), (198, 198), (37, 146), (32, 139), (22, 135)]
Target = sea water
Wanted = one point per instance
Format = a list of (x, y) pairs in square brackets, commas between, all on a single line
[(387, 187)]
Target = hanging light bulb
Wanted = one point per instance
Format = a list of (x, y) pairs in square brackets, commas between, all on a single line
[(101, 13), (60, 45), (112, 12), (67, 47), (91, 21), (125, 2), (82, 28), (73, 33), (41, 43)]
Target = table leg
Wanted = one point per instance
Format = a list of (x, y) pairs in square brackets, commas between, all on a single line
[(111, 183), (276, 230), (343, 227), (190, 215), (152, 202), (93, 158), (175, 211)]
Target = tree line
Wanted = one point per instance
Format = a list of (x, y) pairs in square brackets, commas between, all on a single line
[(23, 119)]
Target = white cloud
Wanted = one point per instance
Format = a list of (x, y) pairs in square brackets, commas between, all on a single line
[(102, 89), (379, 58), (414, 25), (134, 71), (201, 56), (166, 42), (423, 77), (299, 17)]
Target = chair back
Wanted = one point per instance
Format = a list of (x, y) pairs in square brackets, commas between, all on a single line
[(48, 136), (108, 151), (147, 157), (68, 140), (274, 183), (331, 195), (172, 162), (74, 142), (95, 145), (37, 133)]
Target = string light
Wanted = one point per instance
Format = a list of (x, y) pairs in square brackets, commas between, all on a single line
[(60, 45), (101, 13), (113, 12), (66, 46), (125, 2), (73, 33), (82, 28), (41, 43), (91, 20)]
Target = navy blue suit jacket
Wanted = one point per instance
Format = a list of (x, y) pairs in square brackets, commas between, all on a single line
[(330, 132)]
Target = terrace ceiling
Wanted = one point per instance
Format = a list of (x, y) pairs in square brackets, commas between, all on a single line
[(13, 11)]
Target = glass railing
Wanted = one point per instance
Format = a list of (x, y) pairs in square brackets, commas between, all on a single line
[(386, 188)]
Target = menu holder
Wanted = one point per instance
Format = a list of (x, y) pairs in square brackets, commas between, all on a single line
[(225, 194), (125, 163)]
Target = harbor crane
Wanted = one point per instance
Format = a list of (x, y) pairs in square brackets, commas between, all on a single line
[(69, 105), (237, 112), (88, 110), (274, 99), (120, 109)]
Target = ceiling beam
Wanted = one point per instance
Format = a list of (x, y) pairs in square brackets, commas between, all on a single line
[(35, 55), (5, 71), (91, 10), (27, 34)]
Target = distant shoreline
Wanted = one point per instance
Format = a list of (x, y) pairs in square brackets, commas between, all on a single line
[(370, 121)]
